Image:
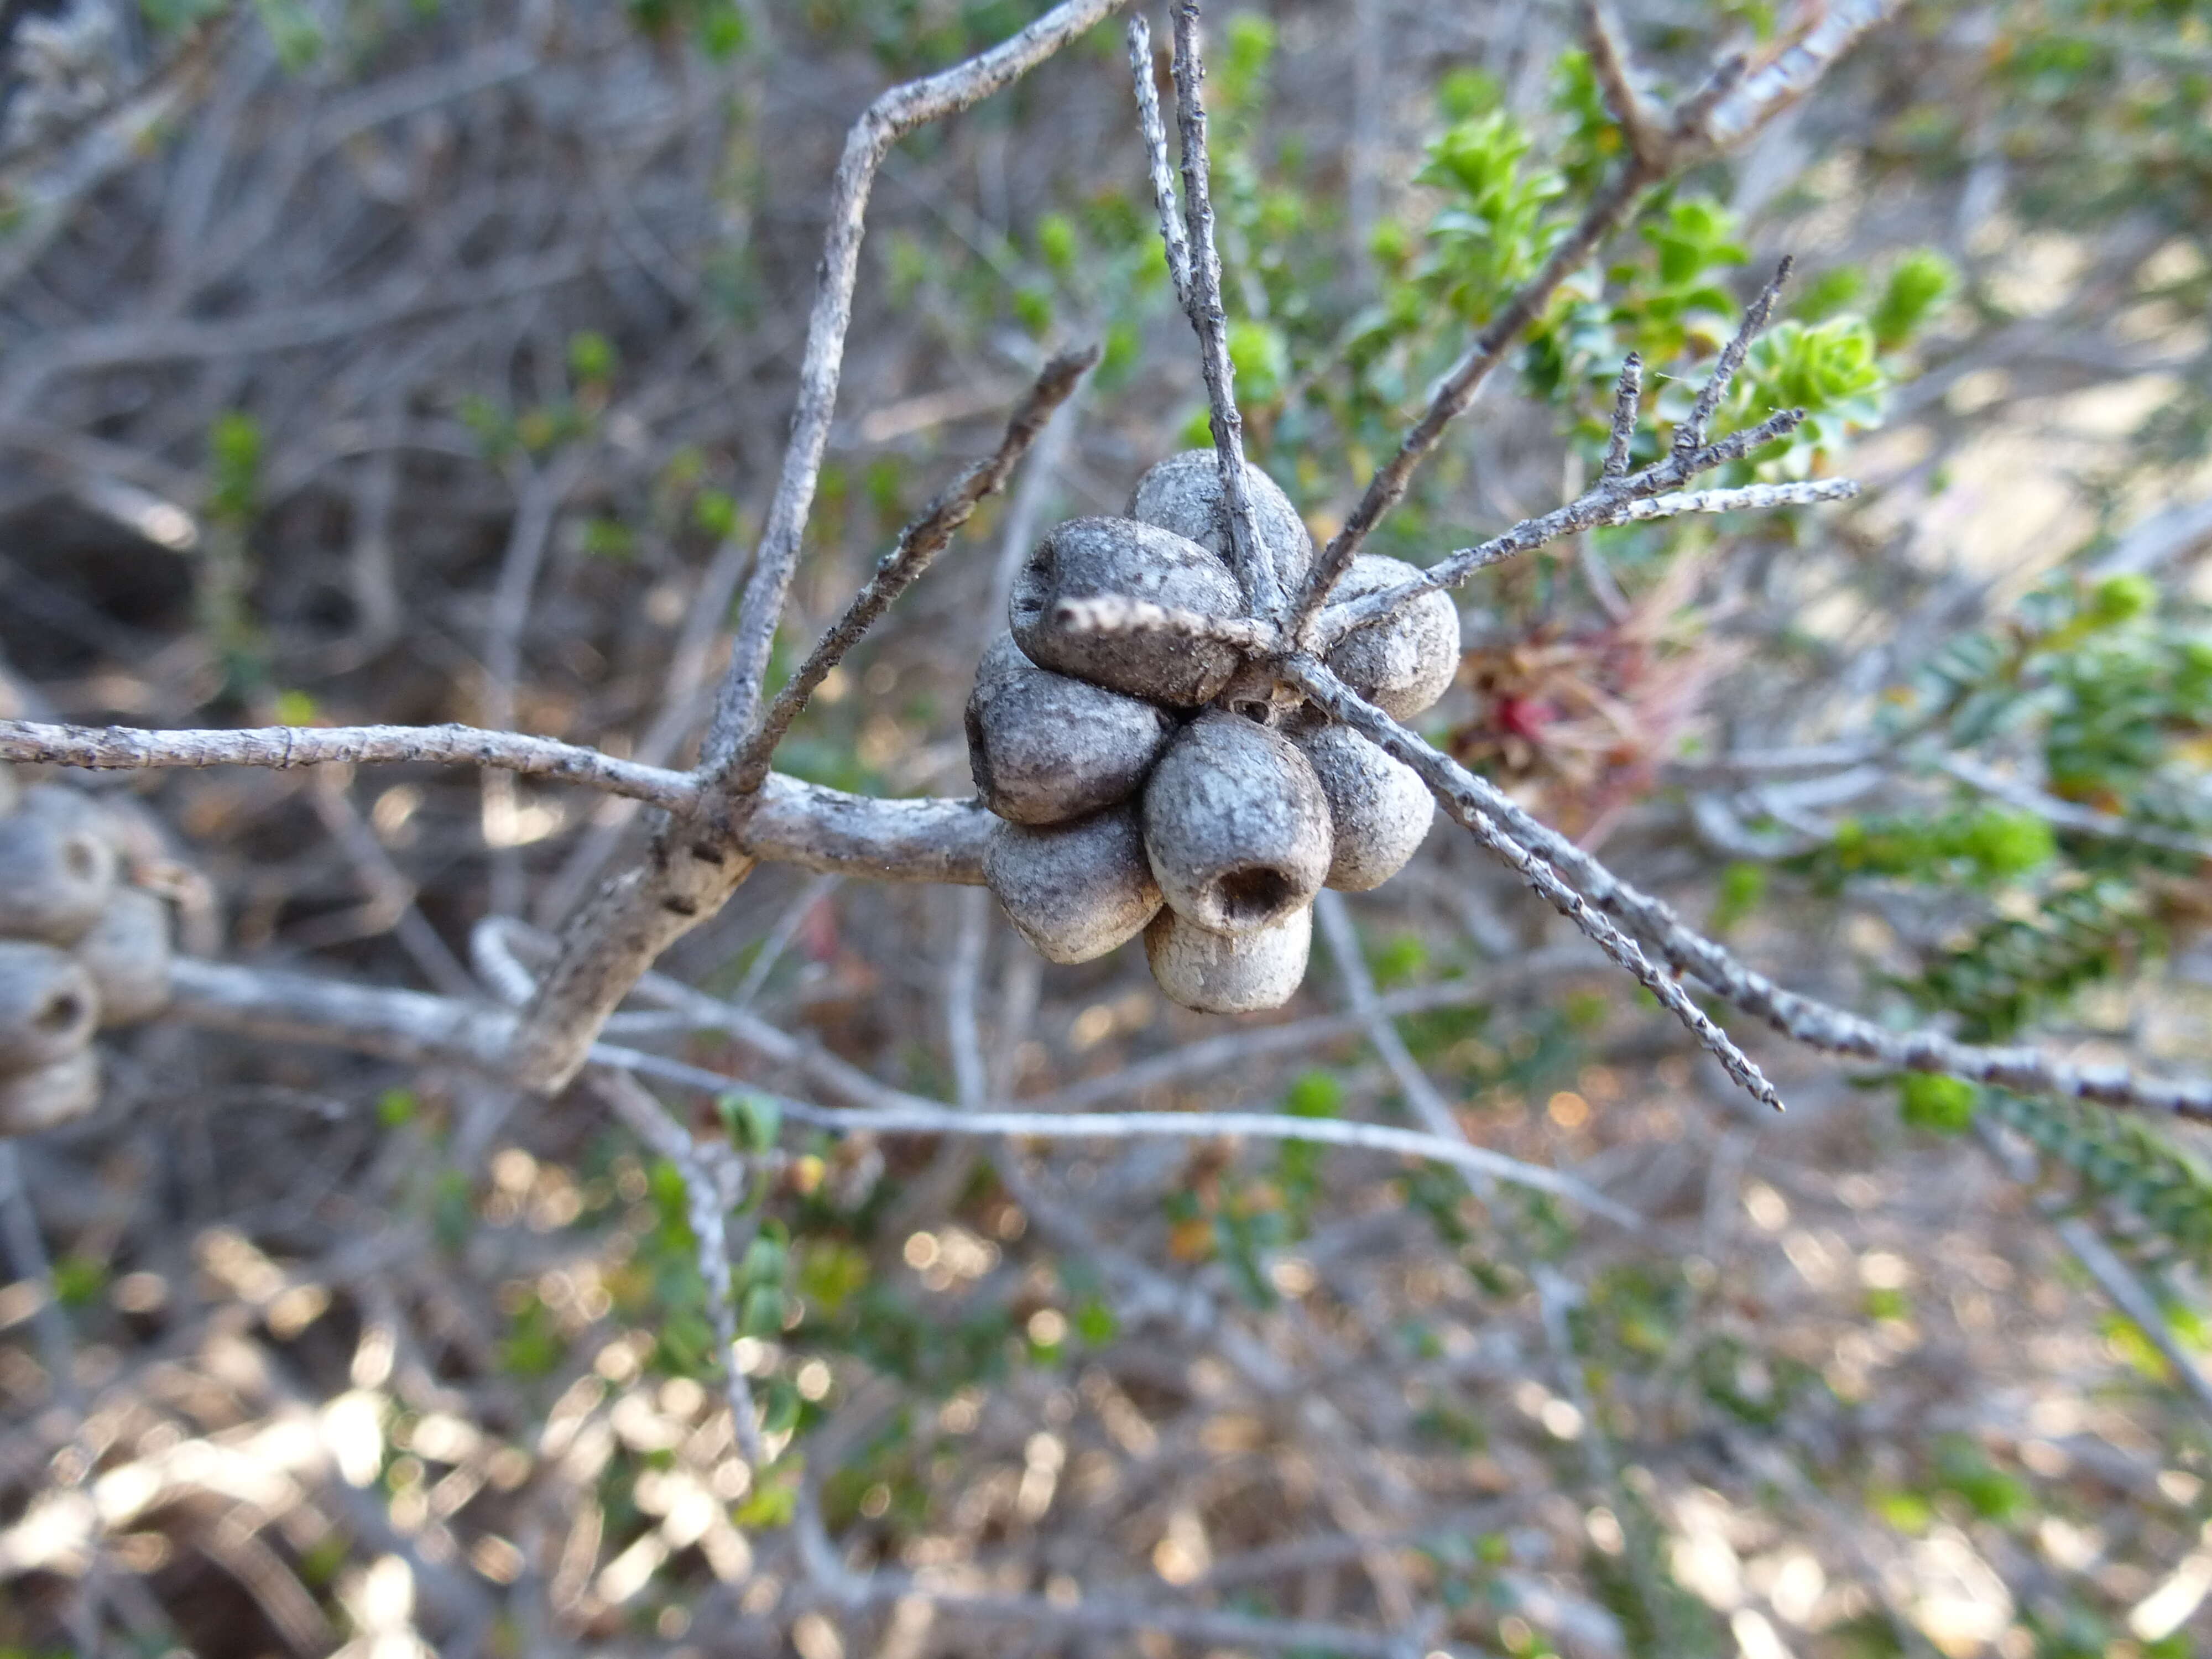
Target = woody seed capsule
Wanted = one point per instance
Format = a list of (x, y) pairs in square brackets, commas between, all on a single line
[(1402, 665), (1236, 825), (1216, 973), (127, 954), (1074, 890), (1378, 808), (1093, 558), (57, 867), (47, 1095), (1044, 748), (48, 1005), (1183, 494)]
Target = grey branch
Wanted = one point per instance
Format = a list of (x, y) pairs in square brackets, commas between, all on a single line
[(1811, 493), (1614, 499), (1690, 436), (1248, 554), (1627, 402), (1800, 1018), (696, 862), (124, 748), (713, 1188), (890, 117), (1172, 237), (411, 1025), (1758, 97), (1464, 797), (917, 549)]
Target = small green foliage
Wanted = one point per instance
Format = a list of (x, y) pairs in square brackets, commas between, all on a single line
[(1981, 847), (1928, 1100), (715, 512), (2155, 1196), (234, 453), (1831, 370), (1964, 1470), (1261, 359), (294, 708), (293, 31), (774, 1499), (1315, 1094), (1401, 959), (753, 1120), (532, 1346), (609, 538), (79, 1280), (1922, 282), (591, 357), (1742, 886), (397, 1108), (1494, 235), (1056, 242)]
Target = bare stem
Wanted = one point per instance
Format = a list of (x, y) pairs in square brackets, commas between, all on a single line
[(1249, 556), (890, 117), (1173, 237), (1456, 791), (917, 549), (124, 748)]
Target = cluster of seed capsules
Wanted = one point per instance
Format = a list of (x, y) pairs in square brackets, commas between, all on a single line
[(1143, 789), (82, 948)]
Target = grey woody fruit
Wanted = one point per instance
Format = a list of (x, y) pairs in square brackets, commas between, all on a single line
[(1044, 748), (56, 866), (1216, 973), (1183, 494), (47, 1095), (1236, 825), (127, 954), (49, 1006), (1378, 808), (1074, 890), (1404, 665), (1092, 558)]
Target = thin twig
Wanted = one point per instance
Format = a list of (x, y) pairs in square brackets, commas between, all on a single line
[(1249, 556), (710, 1193), (1627, 402), (1614, 499), (892, 116), (916, 549), (413, 1026), (1455, 791), (123, 748), (1690, 436), (1173, 239)]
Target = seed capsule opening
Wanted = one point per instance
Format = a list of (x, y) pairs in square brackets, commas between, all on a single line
[(1253, 897)]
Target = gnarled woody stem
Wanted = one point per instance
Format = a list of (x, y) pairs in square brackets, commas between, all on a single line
[(696, 862)]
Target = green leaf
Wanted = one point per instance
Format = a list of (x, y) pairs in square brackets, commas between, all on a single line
[(1928, 1100), (1920, 283), (753, 1121)]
